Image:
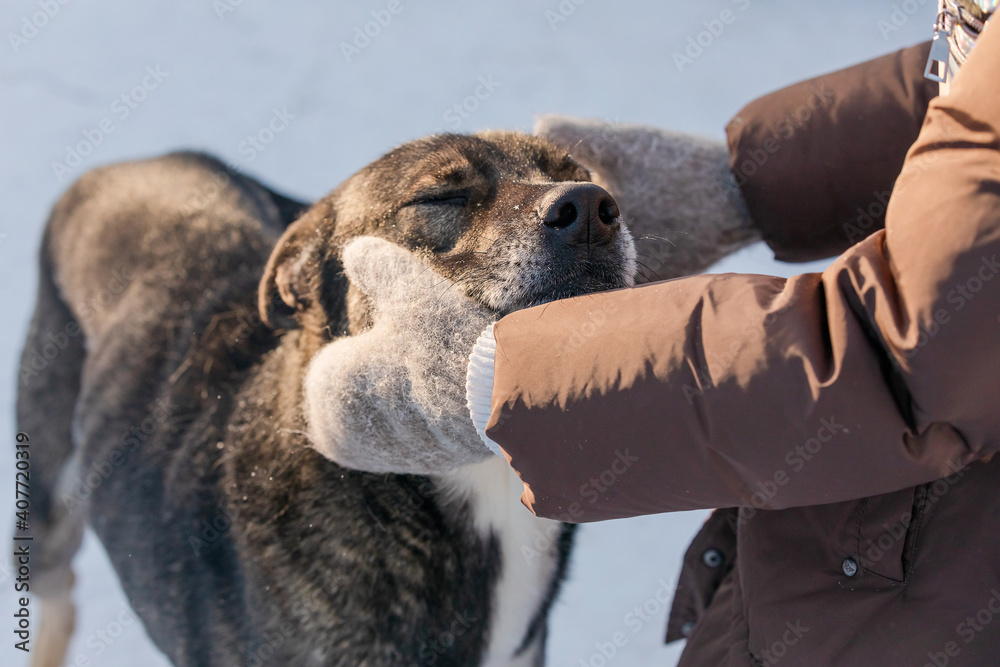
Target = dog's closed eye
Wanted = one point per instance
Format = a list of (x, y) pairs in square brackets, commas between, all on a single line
[(460, 198)]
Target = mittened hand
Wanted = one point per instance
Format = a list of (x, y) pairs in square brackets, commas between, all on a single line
[(392, 399), (675, 191)]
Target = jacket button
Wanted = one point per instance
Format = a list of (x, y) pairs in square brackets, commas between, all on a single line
[(712, 558), (849, 566), (687, 629)]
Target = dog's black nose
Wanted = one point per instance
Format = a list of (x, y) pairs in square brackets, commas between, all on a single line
[(587, 211)]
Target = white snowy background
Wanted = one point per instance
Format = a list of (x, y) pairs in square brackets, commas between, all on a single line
[(229, 64)]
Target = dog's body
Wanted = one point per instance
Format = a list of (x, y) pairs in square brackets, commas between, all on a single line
[(171, 419)]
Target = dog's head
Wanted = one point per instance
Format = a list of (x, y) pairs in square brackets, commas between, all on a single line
[(510, 217)]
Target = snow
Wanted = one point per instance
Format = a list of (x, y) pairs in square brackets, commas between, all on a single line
[(211, 73)]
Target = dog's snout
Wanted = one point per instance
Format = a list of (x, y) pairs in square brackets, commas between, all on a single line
[(586, 210)]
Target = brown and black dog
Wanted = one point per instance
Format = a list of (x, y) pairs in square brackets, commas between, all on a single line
[(161, 387)]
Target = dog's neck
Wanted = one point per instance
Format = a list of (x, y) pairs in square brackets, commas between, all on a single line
[(529, 546)]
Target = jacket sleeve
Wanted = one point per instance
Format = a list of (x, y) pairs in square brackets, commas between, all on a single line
[(879, 374), (816, 161)]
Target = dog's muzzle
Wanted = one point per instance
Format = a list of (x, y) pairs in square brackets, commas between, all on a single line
[(580, 213)]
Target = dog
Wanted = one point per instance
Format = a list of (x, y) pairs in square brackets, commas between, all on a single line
[(178, 308)]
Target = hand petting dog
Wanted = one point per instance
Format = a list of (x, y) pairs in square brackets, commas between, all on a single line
[(404, 380), (393, 399)]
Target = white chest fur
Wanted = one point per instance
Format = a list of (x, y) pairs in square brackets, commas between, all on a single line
[(528, 547)]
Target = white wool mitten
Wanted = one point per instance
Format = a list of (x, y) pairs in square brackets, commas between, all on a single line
[(674, 190), (393, 398)]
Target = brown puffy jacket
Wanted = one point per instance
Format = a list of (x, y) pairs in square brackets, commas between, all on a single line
[(850, 416)]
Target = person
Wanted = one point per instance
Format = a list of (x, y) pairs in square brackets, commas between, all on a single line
[(846, 421)]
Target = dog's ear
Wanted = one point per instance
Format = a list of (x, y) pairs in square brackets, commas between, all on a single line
[(292, 292)]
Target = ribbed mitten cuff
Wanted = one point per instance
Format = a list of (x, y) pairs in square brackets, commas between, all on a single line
[(479, 384)]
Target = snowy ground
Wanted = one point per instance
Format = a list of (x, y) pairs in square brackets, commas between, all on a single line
[(224, 67)]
